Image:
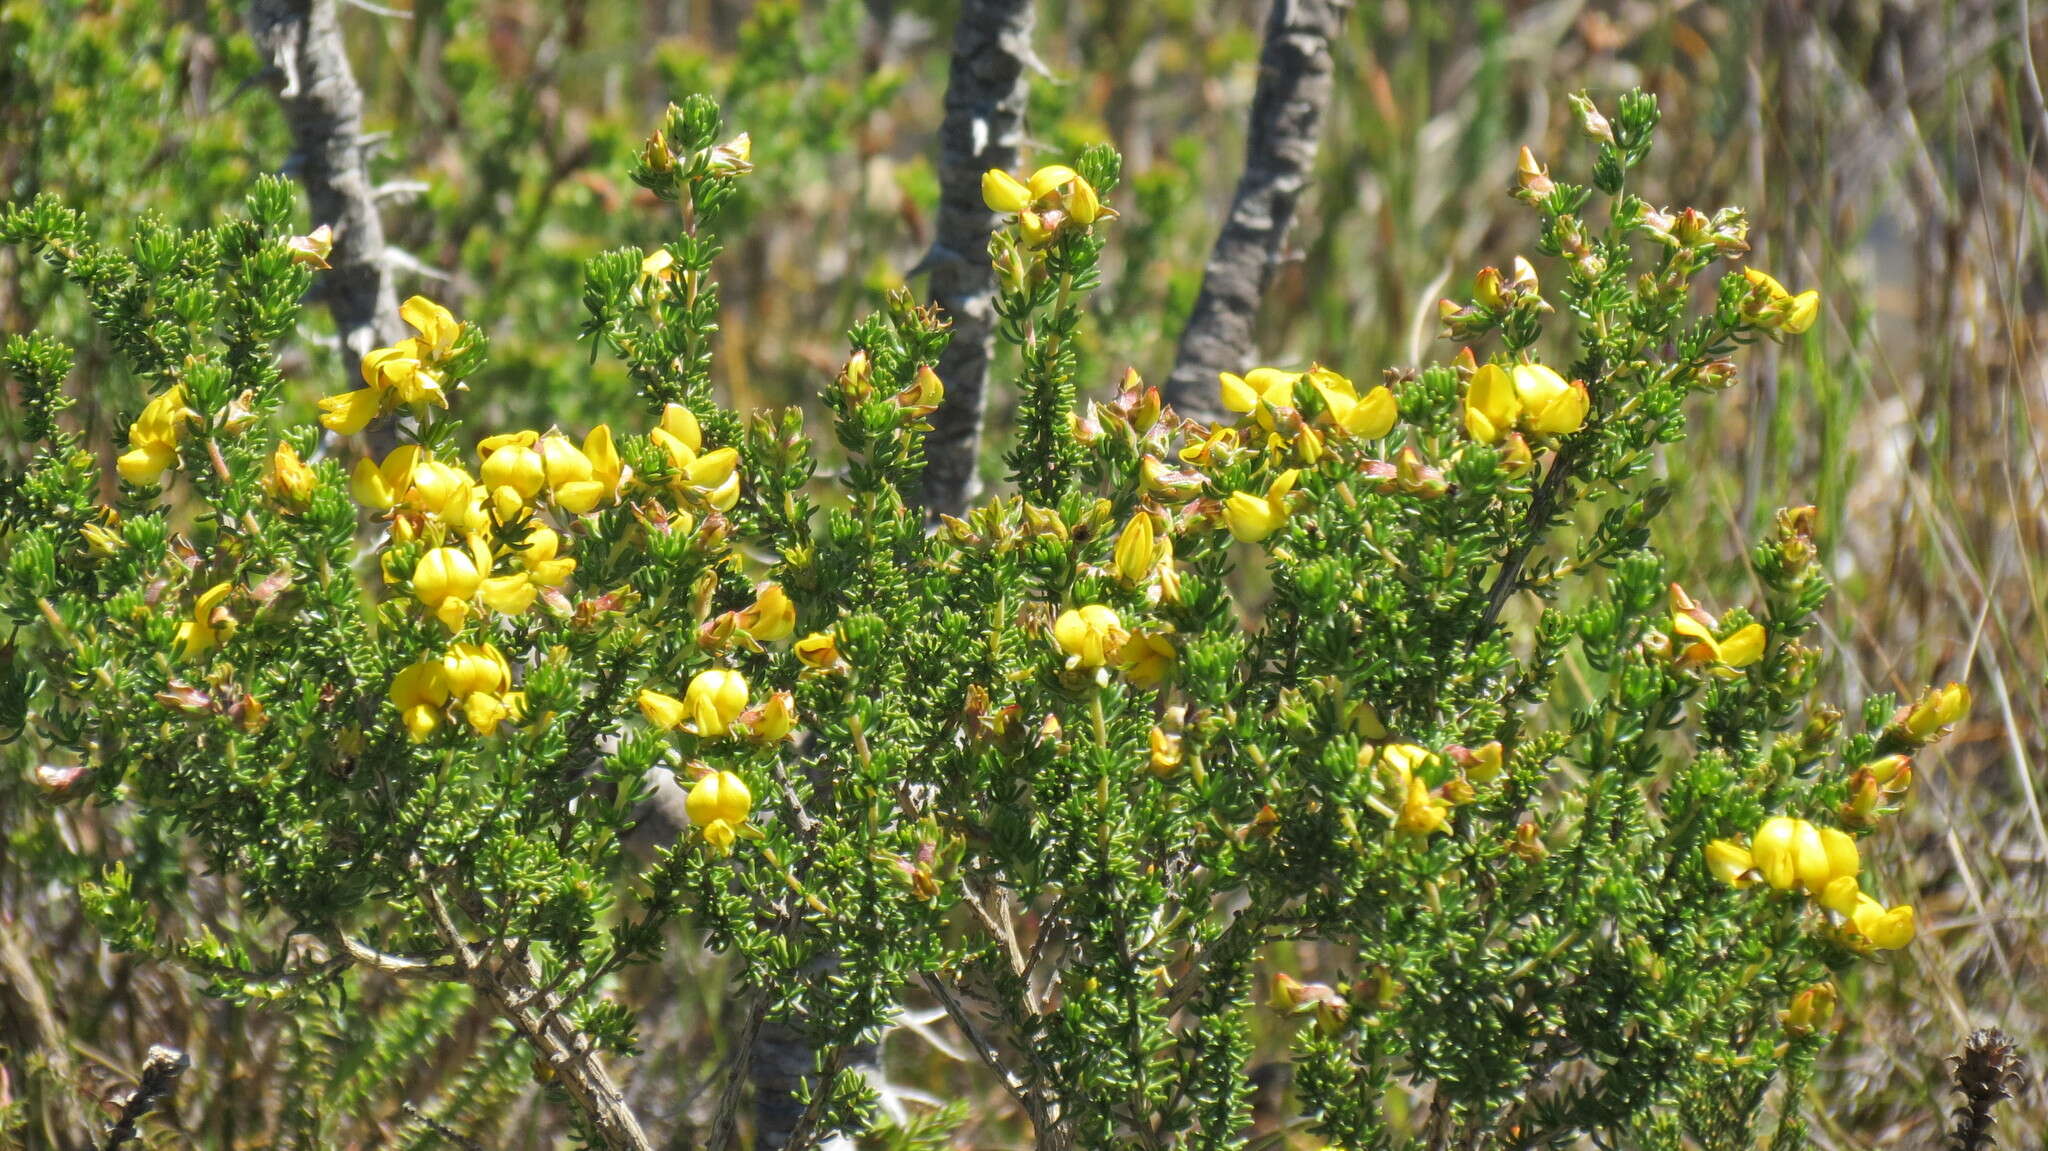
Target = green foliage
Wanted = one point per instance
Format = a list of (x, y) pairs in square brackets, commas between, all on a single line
[(1034, 767)]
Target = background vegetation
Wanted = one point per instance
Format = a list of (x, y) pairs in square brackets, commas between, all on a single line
[(1897, 153)]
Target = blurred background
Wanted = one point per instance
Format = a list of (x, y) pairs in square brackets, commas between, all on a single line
[(1893, 153)]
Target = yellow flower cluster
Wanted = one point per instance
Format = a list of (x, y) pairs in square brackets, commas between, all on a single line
[(713, 477), (1529, 396), (471, 676), (1788, 853), (715, 704), (409, 371), (154, 436), (1054, 197), (1416, 809)]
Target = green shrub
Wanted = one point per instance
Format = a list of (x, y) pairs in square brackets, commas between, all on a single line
[(1385, 678)]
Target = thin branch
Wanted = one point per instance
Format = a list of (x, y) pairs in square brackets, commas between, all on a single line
[(1293, 94), (1020, 1092), (986, 91), (160, 1071)]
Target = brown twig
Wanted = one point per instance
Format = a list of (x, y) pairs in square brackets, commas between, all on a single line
[(160, 1071)]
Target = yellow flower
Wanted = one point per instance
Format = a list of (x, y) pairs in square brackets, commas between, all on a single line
[(153, 437), (1137, 549), (680, 437), (1491, 405), (773, 720), (1935, 711), (350, 412), (209, 627), (1269, 386), (288, 480), (447, 493), (436, 325), (1090, 635), (1421, 812), (660, 264), (1550, 405), (1842, 895), (715, 698), (664, 712), (1810, 1008), (1792, 851), (1885, 928), (714, 477), (1254, 518), (1775, 852), (444, 581), (1692, 624), (537, 554), (419, 691), (313, 248), (1780, 310), (818, 651), (475, 667), (512, 470), (1166, 754), (582, 479), (486, 710), (1730, 862), (380, 487), (721, 796), (771, 616), (1147, 658), (1367, 416), (402, 370), (1003, 193)]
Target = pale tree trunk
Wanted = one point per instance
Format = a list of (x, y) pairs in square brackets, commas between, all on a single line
[(1293, 96), (986, 91), (323, 106)]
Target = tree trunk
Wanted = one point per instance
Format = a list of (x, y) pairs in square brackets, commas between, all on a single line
[(1295, 85), (986, 91)]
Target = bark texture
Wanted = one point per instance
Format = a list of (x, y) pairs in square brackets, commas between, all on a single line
[(986, 91), (323, 106), (1293, 95)]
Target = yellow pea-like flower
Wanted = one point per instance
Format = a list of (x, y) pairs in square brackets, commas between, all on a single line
[(771, 616), (1551, 405), (818, 651), (774, 719), (721, 796), (1165, 752), (510, 461), (1003, 192), (1730, 862), (538, 554), (1253, 518), (419, 691), (1146, 658), (1137, 549), (288, 479), (436, 325), (1775, 851), (664, 712), (209, 627), (1491, 404), (1887, 928), (350, 412), (1422, 813), (1089, 635), (444, 580), (475, 667), (715, 698)]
